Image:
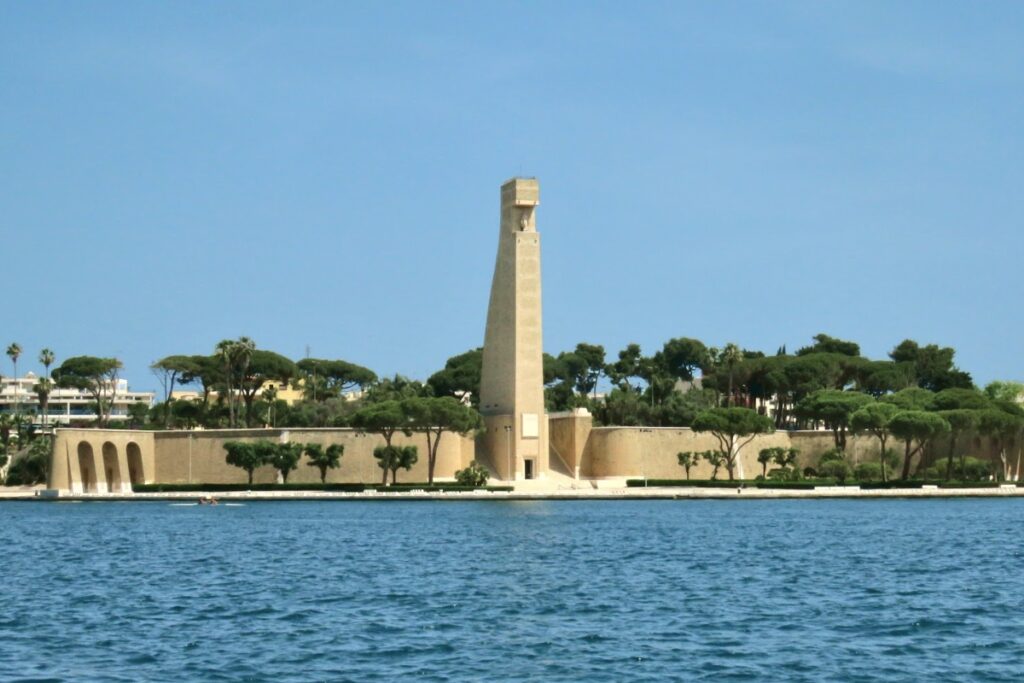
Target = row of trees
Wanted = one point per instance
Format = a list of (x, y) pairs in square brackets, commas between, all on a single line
[(238, 373), (658, 389), (915, 416), (97, 376), (284, 457), (387, 412)]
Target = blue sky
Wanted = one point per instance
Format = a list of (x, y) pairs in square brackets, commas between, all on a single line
[(326, 174)]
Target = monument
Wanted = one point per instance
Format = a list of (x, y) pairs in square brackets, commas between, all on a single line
[(512, 379)]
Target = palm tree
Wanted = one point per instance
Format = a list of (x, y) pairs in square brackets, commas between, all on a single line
[(47, 357), (43, 388), (225, 351), (13, 351), (235, 357), (243, 356), (730, 357)]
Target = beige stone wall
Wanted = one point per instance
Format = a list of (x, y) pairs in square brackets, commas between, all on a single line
[(652, 451), (568, 438), (198, 457), (101, 460), (93, 460)]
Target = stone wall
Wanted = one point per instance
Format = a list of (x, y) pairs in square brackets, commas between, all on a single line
[(84, 460), (651, 452)]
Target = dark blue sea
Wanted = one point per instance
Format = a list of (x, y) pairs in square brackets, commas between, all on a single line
[(864, 590)]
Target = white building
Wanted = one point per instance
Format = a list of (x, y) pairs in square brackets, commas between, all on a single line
[(66, 406)]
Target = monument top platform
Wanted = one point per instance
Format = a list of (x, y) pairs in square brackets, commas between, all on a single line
[(520, 192)]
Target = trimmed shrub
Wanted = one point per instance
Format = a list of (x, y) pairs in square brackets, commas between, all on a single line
[(870, 485), (784, 474), (351, 488), (473, 476), (830, 455), (700, 483), (835, 469), (868, 471)]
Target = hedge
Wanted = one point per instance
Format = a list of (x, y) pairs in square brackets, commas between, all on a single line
[(199, 488), (809, 484), (350, 488), (701, 483)]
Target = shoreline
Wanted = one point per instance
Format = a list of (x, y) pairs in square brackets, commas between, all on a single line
[(634, 493)]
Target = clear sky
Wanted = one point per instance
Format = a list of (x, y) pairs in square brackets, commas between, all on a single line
[(327, 174)]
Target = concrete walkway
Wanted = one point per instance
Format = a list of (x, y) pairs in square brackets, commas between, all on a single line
[(536, 493)]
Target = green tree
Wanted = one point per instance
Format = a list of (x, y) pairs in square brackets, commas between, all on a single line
[(715, 459), (682, 357), (593, 367), (323, 379), (390, 459), (97, 376), (14, 352), (881, 377), (7, 423), (915, 427), (826, 344), (405, 458), (43, 387), (384, 418), (912, 398), (47, 357), (234, 357), (627, 367), (874, 418), (687, 459), (189, 413), (33, 466), (961, 408), (1003, 423), (246, 455), (324, 458), (285, 458), (734, 428), (933, 365), (1011, 392), (262, 367), (207, 372), (138, 413), (679, 409), (766, 456), (727, 361), (433, 417), (395, 389), (834, 408), (460, 376), (168, 371)]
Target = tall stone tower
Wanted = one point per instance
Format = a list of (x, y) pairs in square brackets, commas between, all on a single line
[(512, 380)]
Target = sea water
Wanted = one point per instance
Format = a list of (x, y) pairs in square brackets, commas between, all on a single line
[(796, 590)]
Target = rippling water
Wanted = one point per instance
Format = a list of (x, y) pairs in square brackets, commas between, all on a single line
[(552, 591)]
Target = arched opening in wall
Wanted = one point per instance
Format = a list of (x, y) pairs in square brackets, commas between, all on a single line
[(111, 468), (135, 473), (87, 467)]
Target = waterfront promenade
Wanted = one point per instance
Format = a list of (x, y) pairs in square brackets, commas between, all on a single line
[(611, 491)]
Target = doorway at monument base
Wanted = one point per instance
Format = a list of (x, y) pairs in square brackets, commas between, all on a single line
[(515, 446)]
